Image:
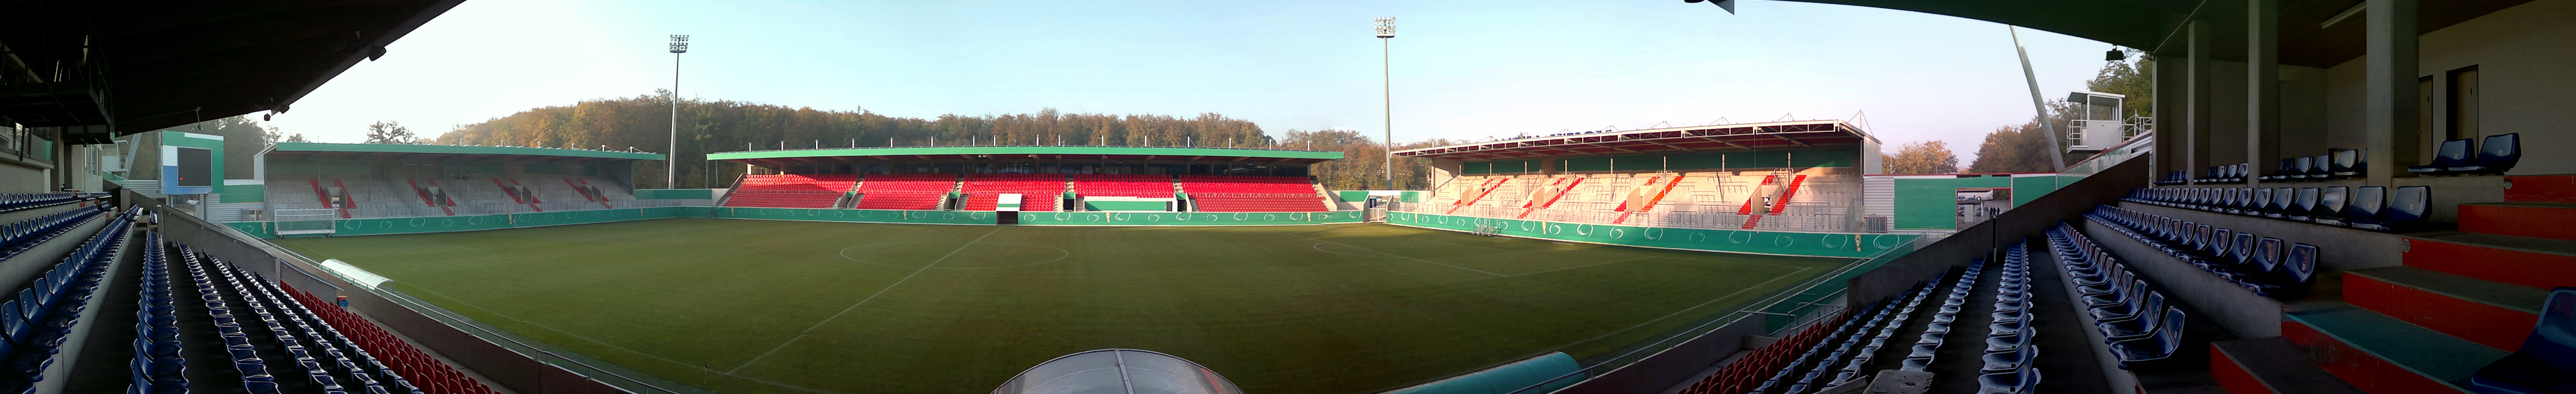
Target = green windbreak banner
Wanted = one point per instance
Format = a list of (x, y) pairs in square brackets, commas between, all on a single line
[(858, 215), (1740, 241), (421, 225), (255, 229), (1186, 218)]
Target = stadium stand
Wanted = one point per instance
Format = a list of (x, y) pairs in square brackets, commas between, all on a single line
[(2259, 264), (790, 191), (1243, 193), (2140, 328), (1139, 186), (2367, 207), (1038, 192), (905, 191), (46, 312), (297, 338), (1765, 200)]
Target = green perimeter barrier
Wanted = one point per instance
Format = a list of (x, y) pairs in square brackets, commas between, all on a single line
[(858, 215), (1507, 378), (1798, 306), (1737, 241), (440, 224), (675, 194), (1186, 218)]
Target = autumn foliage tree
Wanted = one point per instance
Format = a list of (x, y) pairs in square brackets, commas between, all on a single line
[(1925, 157)]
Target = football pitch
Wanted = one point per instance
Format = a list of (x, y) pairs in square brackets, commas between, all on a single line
[(751, 306)]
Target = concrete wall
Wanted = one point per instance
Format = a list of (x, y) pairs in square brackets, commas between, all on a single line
[(2523, 55)]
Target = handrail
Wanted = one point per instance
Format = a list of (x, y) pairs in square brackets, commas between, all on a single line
[(1704, 328)]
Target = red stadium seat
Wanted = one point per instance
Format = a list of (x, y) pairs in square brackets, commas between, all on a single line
[(790, 191), (1240, 193), (1038, 192), (905, 191)]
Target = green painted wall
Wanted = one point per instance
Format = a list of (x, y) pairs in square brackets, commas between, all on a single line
[(1114, 205), (2027, 188), (348, 227), (1498, 167), (1740, 241), (244, 193), (675, 194), (1933, 203), (1186, 218)]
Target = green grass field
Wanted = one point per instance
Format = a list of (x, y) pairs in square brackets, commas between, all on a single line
[(748, 306)]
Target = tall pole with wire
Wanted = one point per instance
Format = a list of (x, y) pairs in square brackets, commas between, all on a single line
[(671, 158), (1386, 64), (2056, 157)]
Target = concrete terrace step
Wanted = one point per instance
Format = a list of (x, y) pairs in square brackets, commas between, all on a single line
[(2497, 315), (2381, 354), (2269, 365), (2526, 261), (2529, 219)]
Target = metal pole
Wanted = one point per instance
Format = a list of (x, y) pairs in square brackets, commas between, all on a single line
[(671, 158), (2056, 157), (1386, 69)]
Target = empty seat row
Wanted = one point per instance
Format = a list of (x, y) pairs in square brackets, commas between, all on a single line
[(157, 367), (2012, 343), (1810, 369), (2367, 207), (36, 322), (17, 237), (1140, 186), (23, 201), (1859, 364), (251, 369), (1238, 193), (2265, 265), (1038, 192), (1938, 331), (302, 357), (1751, 370), (2498, 154), (2334, 164), (2134, 321), (905, 191)]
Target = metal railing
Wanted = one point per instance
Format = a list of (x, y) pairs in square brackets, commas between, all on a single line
[(1597, 366)]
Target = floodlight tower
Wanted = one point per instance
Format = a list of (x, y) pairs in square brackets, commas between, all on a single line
[(671, 158), (1386, 64)]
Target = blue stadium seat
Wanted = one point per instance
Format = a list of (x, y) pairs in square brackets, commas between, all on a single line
[(2496, 155), (2282, 199), (2364, 203), (2303, 206), (2282, 171), (2156, 345), (2348, 163), (2330, 202), (2453, 153), (2546, 362), (2405, 207)]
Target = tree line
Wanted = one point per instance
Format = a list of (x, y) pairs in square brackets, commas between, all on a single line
[(2024, 147), (643, 123)]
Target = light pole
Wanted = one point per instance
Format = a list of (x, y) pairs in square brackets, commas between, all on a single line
[(1386, 64), (671, 158)]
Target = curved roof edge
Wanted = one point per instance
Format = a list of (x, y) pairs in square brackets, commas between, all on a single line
[(461, 150), (1029, 150)]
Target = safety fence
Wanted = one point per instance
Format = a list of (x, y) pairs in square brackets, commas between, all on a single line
[(858, 215), (344, 227), (1737, 241), (1187, 218)]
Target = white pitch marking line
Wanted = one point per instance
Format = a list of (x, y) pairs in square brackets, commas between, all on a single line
[(614, 346), (898, 282), (1398, 255)]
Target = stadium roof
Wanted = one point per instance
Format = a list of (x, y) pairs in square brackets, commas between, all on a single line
[(106, 68), (1733, 137), (330, 151), (2307, 37), (911, 153)]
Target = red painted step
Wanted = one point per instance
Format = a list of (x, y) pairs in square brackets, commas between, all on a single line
[(2383, 355), (2526, 219), (2493, 263), (2494, 314), (2541, 188)]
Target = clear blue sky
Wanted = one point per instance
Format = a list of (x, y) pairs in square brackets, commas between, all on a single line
[(1462, 69)]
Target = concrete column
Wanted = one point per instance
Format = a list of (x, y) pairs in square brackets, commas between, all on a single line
[(2389, 63), (2263, 86), (2171, 118), (2196, 144)]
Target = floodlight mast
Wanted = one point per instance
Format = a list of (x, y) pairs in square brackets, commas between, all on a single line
[(1386, 64), (671, 158)]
